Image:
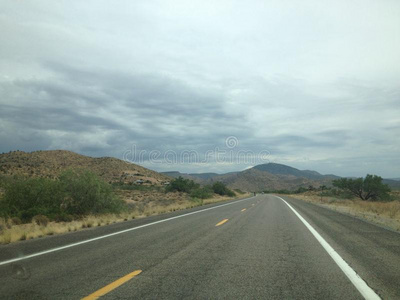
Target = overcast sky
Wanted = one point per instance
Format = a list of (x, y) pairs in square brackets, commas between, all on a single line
[(311, 84)]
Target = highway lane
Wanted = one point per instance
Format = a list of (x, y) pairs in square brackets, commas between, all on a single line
[(260, 249), (374, 252)]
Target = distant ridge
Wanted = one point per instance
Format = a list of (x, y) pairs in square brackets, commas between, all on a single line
[(262, 177), (279, 169), (393, 183), (271, 176)]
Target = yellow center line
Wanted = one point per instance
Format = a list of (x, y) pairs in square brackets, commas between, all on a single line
[(222, 222), (243, 209), (112, 286)]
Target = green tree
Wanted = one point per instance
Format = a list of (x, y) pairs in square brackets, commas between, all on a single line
[(369, 188)]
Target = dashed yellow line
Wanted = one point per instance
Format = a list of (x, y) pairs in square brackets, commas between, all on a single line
[(244, 209), (222, 222), (112, 286)]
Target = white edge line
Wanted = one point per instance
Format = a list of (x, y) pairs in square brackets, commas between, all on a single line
[(114, 233), (357, 281)]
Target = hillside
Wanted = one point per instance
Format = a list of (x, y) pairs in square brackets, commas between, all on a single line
[(274, 176), (394, 184), (176, 174), (269, 176), (51, 163), (257, 180), (280, 169)]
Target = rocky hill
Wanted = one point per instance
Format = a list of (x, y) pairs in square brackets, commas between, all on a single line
[(262, 177), (256, 180), (51, 163)]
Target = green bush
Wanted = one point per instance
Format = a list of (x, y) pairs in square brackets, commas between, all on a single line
[(202, 192), (88, 194), (26, 198), (74, 193), (221, 189), (181, 184), (302, 190)]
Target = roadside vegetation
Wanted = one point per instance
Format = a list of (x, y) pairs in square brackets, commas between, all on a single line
[(78, 199), (367, 198), (75, 194), (196, 191), (289, 192), (369, 188)]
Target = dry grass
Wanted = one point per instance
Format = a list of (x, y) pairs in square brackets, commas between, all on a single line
[(10, 232), (382, 213)]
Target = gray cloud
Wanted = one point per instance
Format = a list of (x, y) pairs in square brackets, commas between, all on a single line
[(315, 85)]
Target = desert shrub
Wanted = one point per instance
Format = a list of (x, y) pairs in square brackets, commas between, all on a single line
[(40, 220), (202, 192), (135, 187), (16, 221), (62, 217), (25, 198), (74, 193), (221, 189), (23, 236), (3, 224), (341, 194), (181, 184), (88, 194), (302, 190)]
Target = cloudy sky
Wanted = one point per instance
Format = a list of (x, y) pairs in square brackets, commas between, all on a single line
[(311, 84)]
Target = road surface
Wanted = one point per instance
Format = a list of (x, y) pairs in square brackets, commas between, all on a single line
[(256, 248)]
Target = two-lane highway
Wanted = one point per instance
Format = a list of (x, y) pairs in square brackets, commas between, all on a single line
[(257, 248)]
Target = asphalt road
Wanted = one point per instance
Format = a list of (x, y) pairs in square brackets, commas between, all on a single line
[(259, 250)]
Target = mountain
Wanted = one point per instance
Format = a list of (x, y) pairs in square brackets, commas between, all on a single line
[(394, 184), (257, 180), (204, 176), (280, 169), (262, 177), (51, 163)]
